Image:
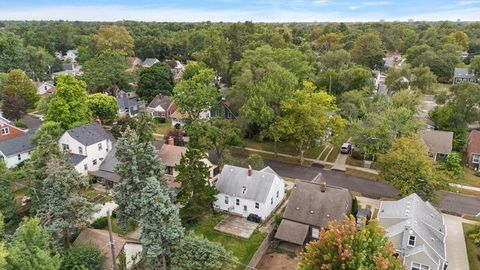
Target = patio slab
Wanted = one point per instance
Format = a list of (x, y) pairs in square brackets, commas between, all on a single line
[(235, 225)]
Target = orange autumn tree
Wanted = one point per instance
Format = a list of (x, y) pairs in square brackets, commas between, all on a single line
[(346, 247)]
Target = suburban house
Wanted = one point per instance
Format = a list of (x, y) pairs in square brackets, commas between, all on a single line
[(463, 75), (8, 130), (177, 68), (223, 110), (244, 191), (417, 231), (128, 103), (88, 146), (161, 107), (149, 62), (439, 143), (473, 150), (73, 69), (132, 248), (45, 88), (71, 55), (310, 208), (178, 118), (16, 149)]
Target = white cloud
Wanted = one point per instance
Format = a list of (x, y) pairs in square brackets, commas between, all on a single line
[(468, 2)]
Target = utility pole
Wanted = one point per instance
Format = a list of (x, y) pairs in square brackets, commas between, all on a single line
[(112, 244)]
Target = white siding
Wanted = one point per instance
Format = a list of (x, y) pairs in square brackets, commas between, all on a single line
[(12, 161)]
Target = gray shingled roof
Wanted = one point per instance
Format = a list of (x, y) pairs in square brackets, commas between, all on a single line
[(90, 134), (76, 158), (421, 217), (463, 73), (163, 101), (232, 180), (309, 205), (17, 145), (150, 62), (438, 141), (292, 232)]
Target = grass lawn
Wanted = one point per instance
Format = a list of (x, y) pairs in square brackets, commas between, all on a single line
[(354, 162), (333, 155), (362, 174), (96, 196), (283, 148), (473, 251), (163, 128), (470, 179), (242, 249)]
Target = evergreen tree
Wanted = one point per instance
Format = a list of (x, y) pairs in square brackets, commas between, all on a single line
[(144, 127), (61, 207), (160, 224), (7, 198), (196, 193)]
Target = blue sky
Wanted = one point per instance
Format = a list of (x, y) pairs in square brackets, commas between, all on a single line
[(240, 10)]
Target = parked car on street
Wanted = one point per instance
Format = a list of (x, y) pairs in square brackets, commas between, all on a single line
[(346, 148)]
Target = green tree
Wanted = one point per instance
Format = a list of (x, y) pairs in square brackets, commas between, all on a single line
[(368, 51), (214, 51), (114, 37), (195, 95), (7, 198), (62, 207), (144, 127), (83, 256), (12, 52), (104, 106), (346, 247), (475, 65), (69, 105), (459, 38), (106, 72), (196, 193), (454, 165), (52, 129), (353, 104), (409, 168), (423, 79), (305, 117), (40, 63), (198, 253), (160, 224), (19, 94), (155, 80), (30, 248), (335, 59), (222, 133)]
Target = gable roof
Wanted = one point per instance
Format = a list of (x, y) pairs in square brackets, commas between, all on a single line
[(160, 100), (234, 180), (473, 145), (150, 62), (75, 159), (100, 238), (438, 141), (292, 232), (309, 205), (169, 154), (90, 134), (17, 145), (463, 73), (415, 214)]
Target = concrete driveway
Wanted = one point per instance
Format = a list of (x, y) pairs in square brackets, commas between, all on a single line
[(340, 162), (456, 249), (235, 225)]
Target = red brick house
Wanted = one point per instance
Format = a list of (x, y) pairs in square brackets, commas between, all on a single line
[(8, 130), (473, 149)]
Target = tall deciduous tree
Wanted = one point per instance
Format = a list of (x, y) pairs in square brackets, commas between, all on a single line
[(408, 167), (368, 51), (306, 117), (104, 106), (346, 247), (40, 63), (69, 106), (214, 51), (106, 72), (198, 253), (7, 198), (19, 94), (30, 248), (114, 37), (196, 193), (155, 80), (12, 53), (63, 209)]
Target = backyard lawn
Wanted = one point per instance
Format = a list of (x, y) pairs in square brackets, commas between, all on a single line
[(163, 128), (473, 251), (242, 249)]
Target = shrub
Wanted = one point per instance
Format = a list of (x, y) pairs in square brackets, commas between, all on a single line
[(84, 256), (21, 124), (354, 206), (100, 223), (277, 219), (475, 235), (477, 173)]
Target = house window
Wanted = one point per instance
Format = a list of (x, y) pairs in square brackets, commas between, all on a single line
[(94, 162), (226, 199), (237, 201), (245, 208), (271, 200), (277, 193), (19, 157), (65, 146), (419, 266), (80, 150), (85, 166), (5, 131), (169, 170), (315, 232), (100, 146), (476, 159), (411, 241), (257, 205)]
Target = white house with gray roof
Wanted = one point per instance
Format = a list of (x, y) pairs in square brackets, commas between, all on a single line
[(16, 150), (245, 191), (463, 75), (88, 146), (417, 231)]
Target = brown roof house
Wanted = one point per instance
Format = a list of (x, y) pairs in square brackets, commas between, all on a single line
[(100, 238), (161, 106), (310, 208), (439, 143), (473, 150)]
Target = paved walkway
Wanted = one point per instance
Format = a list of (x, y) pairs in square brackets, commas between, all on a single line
[(465, 187), (456, 248), (340, 163)]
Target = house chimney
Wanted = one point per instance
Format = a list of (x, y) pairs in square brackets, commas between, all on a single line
[(250, 170), (171, 141), (98, 120), (323, 186)]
